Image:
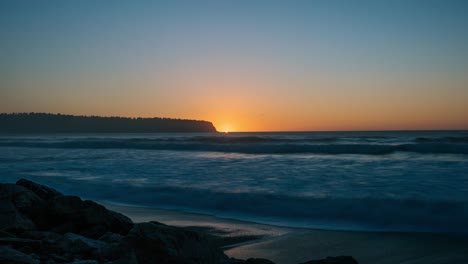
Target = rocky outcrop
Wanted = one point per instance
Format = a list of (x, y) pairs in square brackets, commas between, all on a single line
[(258, 261), (40, 225), (71, 214), (334, 260), (12, 256), (169, 244), (40, 190), (12, 219), (50, 210)]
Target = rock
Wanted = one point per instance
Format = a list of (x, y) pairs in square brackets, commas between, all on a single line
[(76, 244), (110, 252), (5, 234), (54, 258), (87, 261), (127, 258), (334, 260), (12, 220), (87, 217), (110, 237), (40, 235), (12, 256), (40, 190), (20, 242), (21, 197), (24, 201), (233, 261), (258, 261), (26, 204), (151, 241)]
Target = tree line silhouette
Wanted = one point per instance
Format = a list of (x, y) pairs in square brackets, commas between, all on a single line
[(60, 123)]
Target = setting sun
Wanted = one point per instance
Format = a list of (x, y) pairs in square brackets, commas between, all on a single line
[(226, 128)]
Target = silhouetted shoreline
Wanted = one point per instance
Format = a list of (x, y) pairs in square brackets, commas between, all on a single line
[(27, 123)]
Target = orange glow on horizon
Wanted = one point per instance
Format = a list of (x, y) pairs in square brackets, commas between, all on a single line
[(254, 101)]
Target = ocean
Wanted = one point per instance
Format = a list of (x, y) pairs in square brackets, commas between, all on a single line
[(371, 181)]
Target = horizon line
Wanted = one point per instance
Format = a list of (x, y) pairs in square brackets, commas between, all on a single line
[(319, 131), (258, 131)]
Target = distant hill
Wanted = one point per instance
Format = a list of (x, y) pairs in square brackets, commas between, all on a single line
[(58, 123)]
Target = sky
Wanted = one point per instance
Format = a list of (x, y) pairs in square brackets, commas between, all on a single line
[(254, 65)]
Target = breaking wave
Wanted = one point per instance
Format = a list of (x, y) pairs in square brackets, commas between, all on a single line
[(382, 214), (250, 145)]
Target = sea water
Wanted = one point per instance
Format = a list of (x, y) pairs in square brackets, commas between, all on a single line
[(387, 181)]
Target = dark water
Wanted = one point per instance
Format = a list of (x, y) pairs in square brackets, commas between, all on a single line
[(405, 181)]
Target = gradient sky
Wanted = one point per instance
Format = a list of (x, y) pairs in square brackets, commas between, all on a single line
[(244, 65)]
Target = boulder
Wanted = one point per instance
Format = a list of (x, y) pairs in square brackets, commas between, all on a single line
[(76, 244), (110, 237), (86, 261), (40, 190), (12, 256), (23, 199), (19, 243), (26, 204), (12, 220), (40, 235), (155, 241), (6, 234), (233, 261), (258, 261), (127, 258), (71, 214), (334, 260)]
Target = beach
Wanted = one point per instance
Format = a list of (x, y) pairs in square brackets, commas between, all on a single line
[(284, 245)]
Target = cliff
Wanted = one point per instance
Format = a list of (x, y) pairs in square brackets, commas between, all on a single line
[(58, 123)]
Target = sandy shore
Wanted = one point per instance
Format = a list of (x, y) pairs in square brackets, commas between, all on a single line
[(294, 245)]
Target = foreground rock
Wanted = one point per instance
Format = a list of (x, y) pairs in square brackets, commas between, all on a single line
[(334, 260), (63, 214), (40, 225), (155, 241), (12, 256), (258, 261)]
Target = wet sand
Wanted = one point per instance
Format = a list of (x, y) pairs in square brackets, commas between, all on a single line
[(285, 245)]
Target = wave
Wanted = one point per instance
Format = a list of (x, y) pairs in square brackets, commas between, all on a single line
[(245, 145), (233, 140), (384, 214), (462, 139)]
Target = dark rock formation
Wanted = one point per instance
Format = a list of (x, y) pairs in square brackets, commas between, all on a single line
[(40, 190), (71, 214), (76, 244), (11, 219), (169, 244), (16, 203), (40, 225), (334, 260), (12, 256), (258, 261), (51, 210)]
